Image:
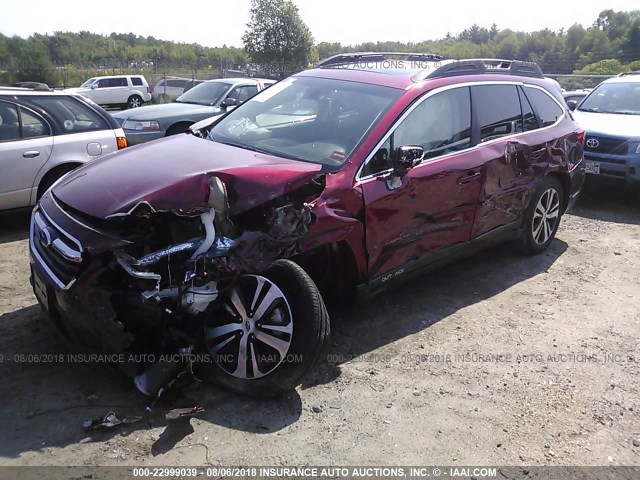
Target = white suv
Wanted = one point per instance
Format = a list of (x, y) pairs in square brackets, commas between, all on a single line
[(129, 90)]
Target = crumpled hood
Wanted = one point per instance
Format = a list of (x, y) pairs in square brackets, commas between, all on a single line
[(157, 112), (623, 126), (172, 174)]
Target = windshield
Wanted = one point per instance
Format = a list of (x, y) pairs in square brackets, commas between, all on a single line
[(88, 82), (207, 93), (312, 119), (621, 98)]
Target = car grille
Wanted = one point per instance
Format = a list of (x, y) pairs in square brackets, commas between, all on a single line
[(615, 146), (58, 252)]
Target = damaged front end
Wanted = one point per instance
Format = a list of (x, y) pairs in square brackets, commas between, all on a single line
[(174, 275)]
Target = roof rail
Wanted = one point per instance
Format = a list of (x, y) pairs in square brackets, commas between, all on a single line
[(626, 74), (355, 57), (476, 66)]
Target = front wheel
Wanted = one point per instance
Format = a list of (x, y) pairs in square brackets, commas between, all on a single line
[(134, 101), (542, 217), (267, 332)]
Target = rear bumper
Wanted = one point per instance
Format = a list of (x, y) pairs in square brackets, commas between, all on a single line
[(578, 177)]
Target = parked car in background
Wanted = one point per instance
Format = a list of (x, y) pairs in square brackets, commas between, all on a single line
[(129, 91), (169, 88), (342, 178), (210, 98), (611, 117), (574, 97), (44, 135)]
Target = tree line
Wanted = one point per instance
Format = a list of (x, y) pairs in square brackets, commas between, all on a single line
[(276, 35)]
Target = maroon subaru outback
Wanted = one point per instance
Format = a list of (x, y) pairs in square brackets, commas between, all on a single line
[(221, 246)]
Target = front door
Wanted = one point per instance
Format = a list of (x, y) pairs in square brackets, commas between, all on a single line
[(433, 205)]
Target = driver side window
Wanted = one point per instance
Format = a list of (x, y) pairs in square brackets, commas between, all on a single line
[(441, 124)]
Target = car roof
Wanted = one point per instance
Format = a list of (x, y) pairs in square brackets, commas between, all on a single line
[(401, 70), (236, 80), (628, 78), (31, 92)]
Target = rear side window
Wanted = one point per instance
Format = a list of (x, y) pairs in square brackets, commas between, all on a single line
[(118, 82), (498, 110), (136, 81), (548, 110), (529, 118), (71, 115), (176, 83)]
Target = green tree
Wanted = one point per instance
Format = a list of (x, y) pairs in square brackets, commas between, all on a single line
[(36, 64), (277, 35)]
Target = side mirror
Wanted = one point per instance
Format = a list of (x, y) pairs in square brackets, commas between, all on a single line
[(94, 86), (229, 102), (572, 104), (405, 158)]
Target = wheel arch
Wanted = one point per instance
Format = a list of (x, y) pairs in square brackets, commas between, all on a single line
[(565, 181), (334, 270), (53, 173), (176, 125)]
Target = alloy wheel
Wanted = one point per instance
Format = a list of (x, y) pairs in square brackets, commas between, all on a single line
[(546, 216), (252, 332)]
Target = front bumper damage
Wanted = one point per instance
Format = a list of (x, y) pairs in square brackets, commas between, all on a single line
[(146, 281)]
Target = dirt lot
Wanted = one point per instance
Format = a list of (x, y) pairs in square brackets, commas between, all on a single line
[(498, 359)]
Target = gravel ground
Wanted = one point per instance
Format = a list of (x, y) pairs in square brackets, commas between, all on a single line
[(495, 360)]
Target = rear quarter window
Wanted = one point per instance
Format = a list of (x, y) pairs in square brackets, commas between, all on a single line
[(548, 110), (136, 81), (71, 115)]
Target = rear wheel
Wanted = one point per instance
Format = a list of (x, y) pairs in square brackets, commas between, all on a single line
[(542, 217), (268, 332), (134, 101)]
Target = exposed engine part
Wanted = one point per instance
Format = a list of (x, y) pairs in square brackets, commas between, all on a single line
[(197, 299), (127, 262), (155, 257), (207, 220)]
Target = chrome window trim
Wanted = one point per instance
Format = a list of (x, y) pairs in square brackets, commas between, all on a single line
[(360, 179)]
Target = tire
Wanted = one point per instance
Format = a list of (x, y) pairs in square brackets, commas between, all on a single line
[(300, 311), (542, 217), (134, 101)]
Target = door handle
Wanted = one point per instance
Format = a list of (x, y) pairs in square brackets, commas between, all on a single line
[(31, 154), (467, 177)]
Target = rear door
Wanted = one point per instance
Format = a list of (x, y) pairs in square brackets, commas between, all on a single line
[(25, 146), (119, 90), (433, 205), (516, 151)]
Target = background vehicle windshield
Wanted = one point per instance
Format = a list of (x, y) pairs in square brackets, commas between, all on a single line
[(207, 93), (622, 98), (88, 83), (312, 119)]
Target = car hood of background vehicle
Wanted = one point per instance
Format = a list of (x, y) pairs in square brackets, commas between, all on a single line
[(614, 125), (171, 174), (158, 112)]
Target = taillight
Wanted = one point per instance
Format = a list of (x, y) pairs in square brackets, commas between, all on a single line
[(122, 142), (149, 89), (580, 135)]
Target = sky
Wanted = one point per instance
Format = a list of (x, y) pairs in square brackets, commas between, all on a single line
[(216, 23)]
